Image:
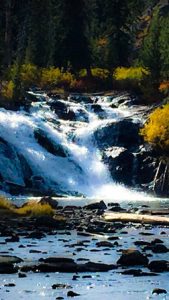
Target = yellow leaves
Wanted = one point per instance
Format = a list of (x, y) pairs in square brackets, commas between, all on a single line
[(54, 76), (132, 73), (156, 130)]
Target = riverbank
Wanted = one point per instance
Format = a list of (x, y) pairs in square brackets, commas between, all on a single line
[(77, 251)]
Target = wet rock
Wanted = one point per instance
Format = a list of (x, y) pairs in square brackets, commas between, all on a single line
[(48, 200), (138, 273), (60, 286), (72, 294), (113, 238), (132, 257), (8, 268), (8, 259), (47, 221), (36, 235), (159, 249), (98, 205), (121, 134), (104, 244), (47, 143), (159, 291), (120, 162), (159, 266), (10, 284), (22, 275), (13, 239)]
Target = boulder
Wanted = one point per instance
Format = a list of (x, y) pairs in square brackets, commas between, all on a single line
[(47, 143), (124, 133), (159, 291), (132, 257), (120, 162), (98, 205), (159, 266)]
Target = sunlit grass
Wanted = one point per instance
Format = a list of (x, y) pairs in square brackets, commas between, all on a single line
[(32, 208)]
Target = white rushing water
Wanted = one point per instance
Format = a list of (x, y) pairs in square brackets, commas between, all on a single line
[(82, 170)]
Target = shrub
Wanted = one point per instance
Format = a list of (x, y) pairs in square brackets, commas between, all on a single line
[(7, 89), (156, 129), (96, 72), (35, 209), (28, 74), (164, 87), (133, 73), (5, 204), (51, 77)]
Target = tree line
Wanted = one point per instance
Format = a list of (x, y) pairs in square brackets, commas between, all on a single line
[(77, 34)]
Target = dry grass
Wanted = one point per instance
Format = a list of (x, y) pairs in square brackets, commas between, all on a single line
[(32, 208)]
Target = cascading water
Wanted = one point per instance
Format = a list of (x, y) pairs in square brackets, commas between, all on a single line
[(62, 152)]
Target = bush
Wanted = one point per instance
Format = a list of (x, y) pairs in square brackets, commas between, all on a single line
[(52, 77), (156, 130), (35, 209), (96, 72), (31, 208), (133, 73), (164, 87), (5, 204), (28, 74), (7, 89)]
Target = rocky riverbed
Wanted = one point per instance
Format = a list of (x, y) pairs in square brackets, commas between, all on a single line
[(76, 253)]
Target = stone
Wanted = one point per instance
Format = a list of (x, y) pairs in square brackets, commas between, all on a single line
[(132, 257), (159, 291), (98, 205), (159, 266), (72, 294)]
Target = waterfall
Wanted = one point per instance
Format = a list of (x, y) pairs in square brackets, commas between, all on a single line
[(57, 140)]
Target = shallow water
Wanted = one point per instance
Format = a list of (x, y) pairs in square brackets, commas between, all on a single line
[(109, 285)]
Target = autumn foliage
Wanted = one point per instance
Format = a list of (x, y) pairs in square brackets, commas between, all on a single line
[(156, 130)]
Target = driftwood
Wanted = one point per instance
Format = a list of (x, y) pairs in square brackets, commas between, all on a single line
[(136, 218)]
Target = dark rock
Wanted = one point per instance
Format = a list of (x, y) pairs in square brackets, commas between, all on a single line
[(98, 205), (120, 162), (138, 273), (72, 294), (113, 238), (10, 284), (122, 134), (47, 221), (104, 244), (13, 239), (132, 257), (48, 200), (60, 286), (159, 266), (159, 248), (8, 268), (47, 143), (22, 275), (36, 235), (159, 291)]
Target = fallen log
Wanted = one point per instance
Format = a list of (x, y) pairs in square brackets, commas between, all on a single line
[(135, 218)]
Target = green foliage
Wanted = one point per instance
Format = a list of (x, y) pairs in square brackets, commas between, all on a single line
[(7, 89), (156, 130), (154, 53)]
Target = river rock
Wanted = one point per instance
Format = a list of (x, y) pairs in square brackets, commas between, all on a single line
[(46, 142), (132, 257), (72, 294), (159, 266), (98, 205), (47, 221), (159, 291)]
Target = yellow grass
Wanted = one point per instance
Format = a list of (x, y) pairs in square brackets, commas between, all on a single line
[(30, 209)]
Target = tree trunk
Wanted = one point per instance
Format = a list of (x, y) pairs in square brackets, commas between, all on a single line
[(8, 21)]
